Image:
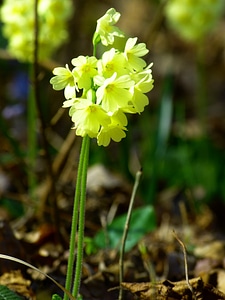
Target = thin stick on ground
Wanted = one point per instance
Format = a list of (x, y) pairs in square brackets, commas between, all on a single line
[(185, 263), (126, 228)]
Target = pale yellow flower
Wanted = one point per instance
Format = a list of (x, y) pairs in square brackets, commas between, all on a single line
[(63, 77), (133, 53), (112, 62), (113, 92), (115, 130), (85, 68), (88, 117), (105, 30), (111, 86)]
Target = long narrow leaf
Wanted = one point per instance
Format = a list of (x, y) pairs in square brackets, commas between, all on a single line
[(4, 256)]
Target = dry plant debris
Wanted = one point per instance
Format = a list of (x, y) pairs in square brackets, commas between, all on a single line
[(174, 290)]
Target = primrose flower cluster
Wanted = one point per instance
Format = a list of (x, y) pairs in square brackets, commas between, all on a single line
[(193, 19), (18, 26), (111, 87)]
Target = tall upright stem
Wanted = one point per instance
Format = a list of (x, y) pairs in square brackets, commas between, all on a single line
[(81, 226), (79, 200)]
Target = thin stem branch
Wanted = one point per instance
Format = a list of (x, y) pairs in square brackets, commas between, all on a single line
[(126, 228)]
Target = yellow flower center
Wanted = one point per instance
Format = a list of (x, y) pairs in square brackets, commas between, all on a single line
[(109, 67), (86, 69), (91, 109), (109, 88)]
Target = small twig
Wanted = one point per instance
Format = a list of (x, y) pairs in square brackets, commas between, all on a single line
[(125, 231), (185, 263)]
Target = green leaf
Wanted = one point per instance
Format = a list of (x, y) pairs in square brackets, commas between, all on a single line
[(56, 297), (7, 294), (142, 221)]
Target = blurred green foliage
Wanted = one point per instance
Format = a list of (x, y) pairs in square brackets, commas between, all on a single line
[(142, 221)]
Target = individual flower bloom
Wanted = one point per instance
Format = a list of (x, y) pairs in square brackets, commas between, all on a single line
[(143, 84), (88, 117), (105, 29), (133, 53), (115, 130), (63, 77), (113, 92), (143, 80), (85, 67), (112, 61), (138, 101)]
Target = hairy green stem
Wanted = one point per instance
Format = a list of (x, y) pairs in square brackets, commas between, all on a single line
[(81, 226), (77, 198)]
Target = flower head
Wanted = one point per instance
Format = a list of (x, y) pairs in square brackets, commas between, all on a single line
[(105, 30), (111, 86)]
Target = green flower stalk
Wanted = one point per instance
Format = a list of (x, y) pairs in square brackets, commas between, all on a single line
[(111, 87), (18, 26), (193, 19)]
